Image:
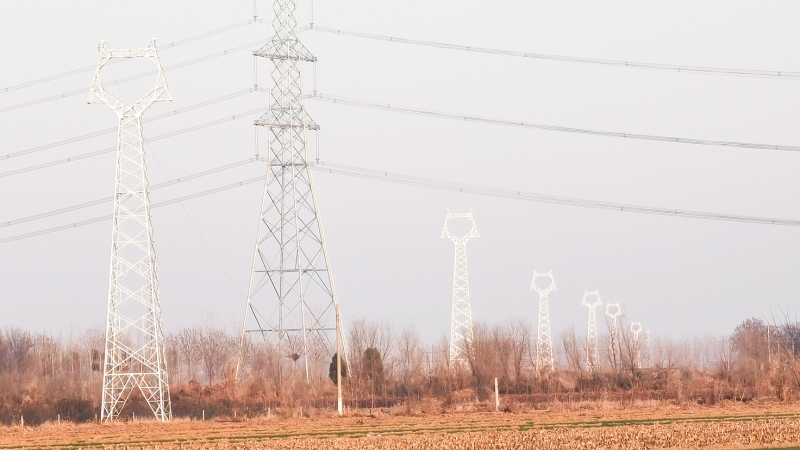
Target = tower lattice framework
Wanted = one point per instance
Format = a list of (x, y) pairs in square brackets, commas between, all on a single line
[(592, 349), (544, 343), (291, 295), (461, 332), (134, 350), (636, 328), (614, 332)]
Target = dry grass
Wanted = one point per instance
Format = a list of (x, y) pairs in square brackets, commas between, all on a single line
[(600, 426)]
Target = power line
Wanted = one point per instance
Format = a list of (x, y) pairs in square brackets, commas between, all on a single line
[(155, 205), (574, 59), (93, 67), (536, 126), (358, 172), (136, 77), (114, 129), (113, 149), (108, 199)]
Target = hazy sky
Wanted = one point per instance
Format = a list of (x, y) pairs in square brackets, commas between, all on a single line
[(680, 277)]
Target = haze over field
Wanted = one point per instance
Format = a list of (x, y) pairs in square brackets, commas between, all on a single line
[(678, 276)]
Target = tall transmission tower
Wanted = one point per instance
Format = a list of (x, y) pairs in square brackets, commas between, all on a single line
[(636, 328), (649, 359), (544, 344), (613, 310), (592, 349), (134, 351), (461, 334), (291, 296)]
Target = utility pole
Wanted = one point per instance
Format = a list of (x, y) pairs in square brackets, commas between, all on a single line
[(339, 407), (544, 343), (461, 334), (134, 350), (592, 349), (291, 296)]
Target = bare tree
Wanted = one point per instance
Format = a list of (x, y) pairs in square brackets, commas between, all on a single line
[(188, 343), (215, 349)]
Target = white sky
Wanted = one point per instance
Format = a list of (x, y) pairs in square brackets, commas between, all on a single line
[(678, 276)]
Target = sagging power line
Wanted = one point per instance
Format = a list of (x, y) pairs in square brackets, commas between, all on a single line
[(108, 199), (93, 66), (112, 149), (135, 77), (113, 129), (376, 175), (537, 126), (573, 59)]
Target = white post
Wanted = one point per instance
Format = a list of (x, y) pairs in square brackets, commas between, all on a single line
[(496, 396), (339, 361)]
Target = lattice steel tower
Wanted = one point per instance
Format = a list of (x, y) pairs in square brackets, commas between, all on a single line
[(544, 344), (612, 327), (636, 328), (592, 349), (461, 334), (291, 294), (134, 352)]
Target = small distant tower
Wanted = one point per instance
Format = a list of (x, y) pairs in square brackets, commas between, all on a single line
[(544, 345), (636, 328), (461, 334), (649, 359), (612, 311), (592, 349)]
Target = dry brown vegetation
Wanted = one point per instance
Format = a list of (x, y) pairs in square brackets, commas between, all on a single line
[(391, 371)]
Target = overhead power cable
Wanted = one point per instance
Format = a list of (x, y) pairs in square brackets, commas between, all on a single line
[(358, 172), (108, 199), (536, 126), (114, 129), (135, 77), (94, 66), (574, 59), (154, 205), (112, 149)]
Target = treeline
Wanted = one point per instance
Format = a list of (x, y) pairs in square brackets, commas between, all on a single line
[(60, 378)]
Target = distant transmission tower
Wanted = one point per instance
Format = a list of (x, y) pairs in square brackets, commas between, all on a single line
[(636, 328), (544, 344), (592, 349), (291, 295), (134, 352), (461, 334), (649, 360), (612, 327)]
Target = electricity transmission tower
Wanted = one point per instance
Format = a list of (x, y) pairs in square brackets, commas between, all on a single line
[(636, 328), (291, 295), (592, 349), (612, 327), (544, 344), (461, 335), (649, 359), (134, 351)]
